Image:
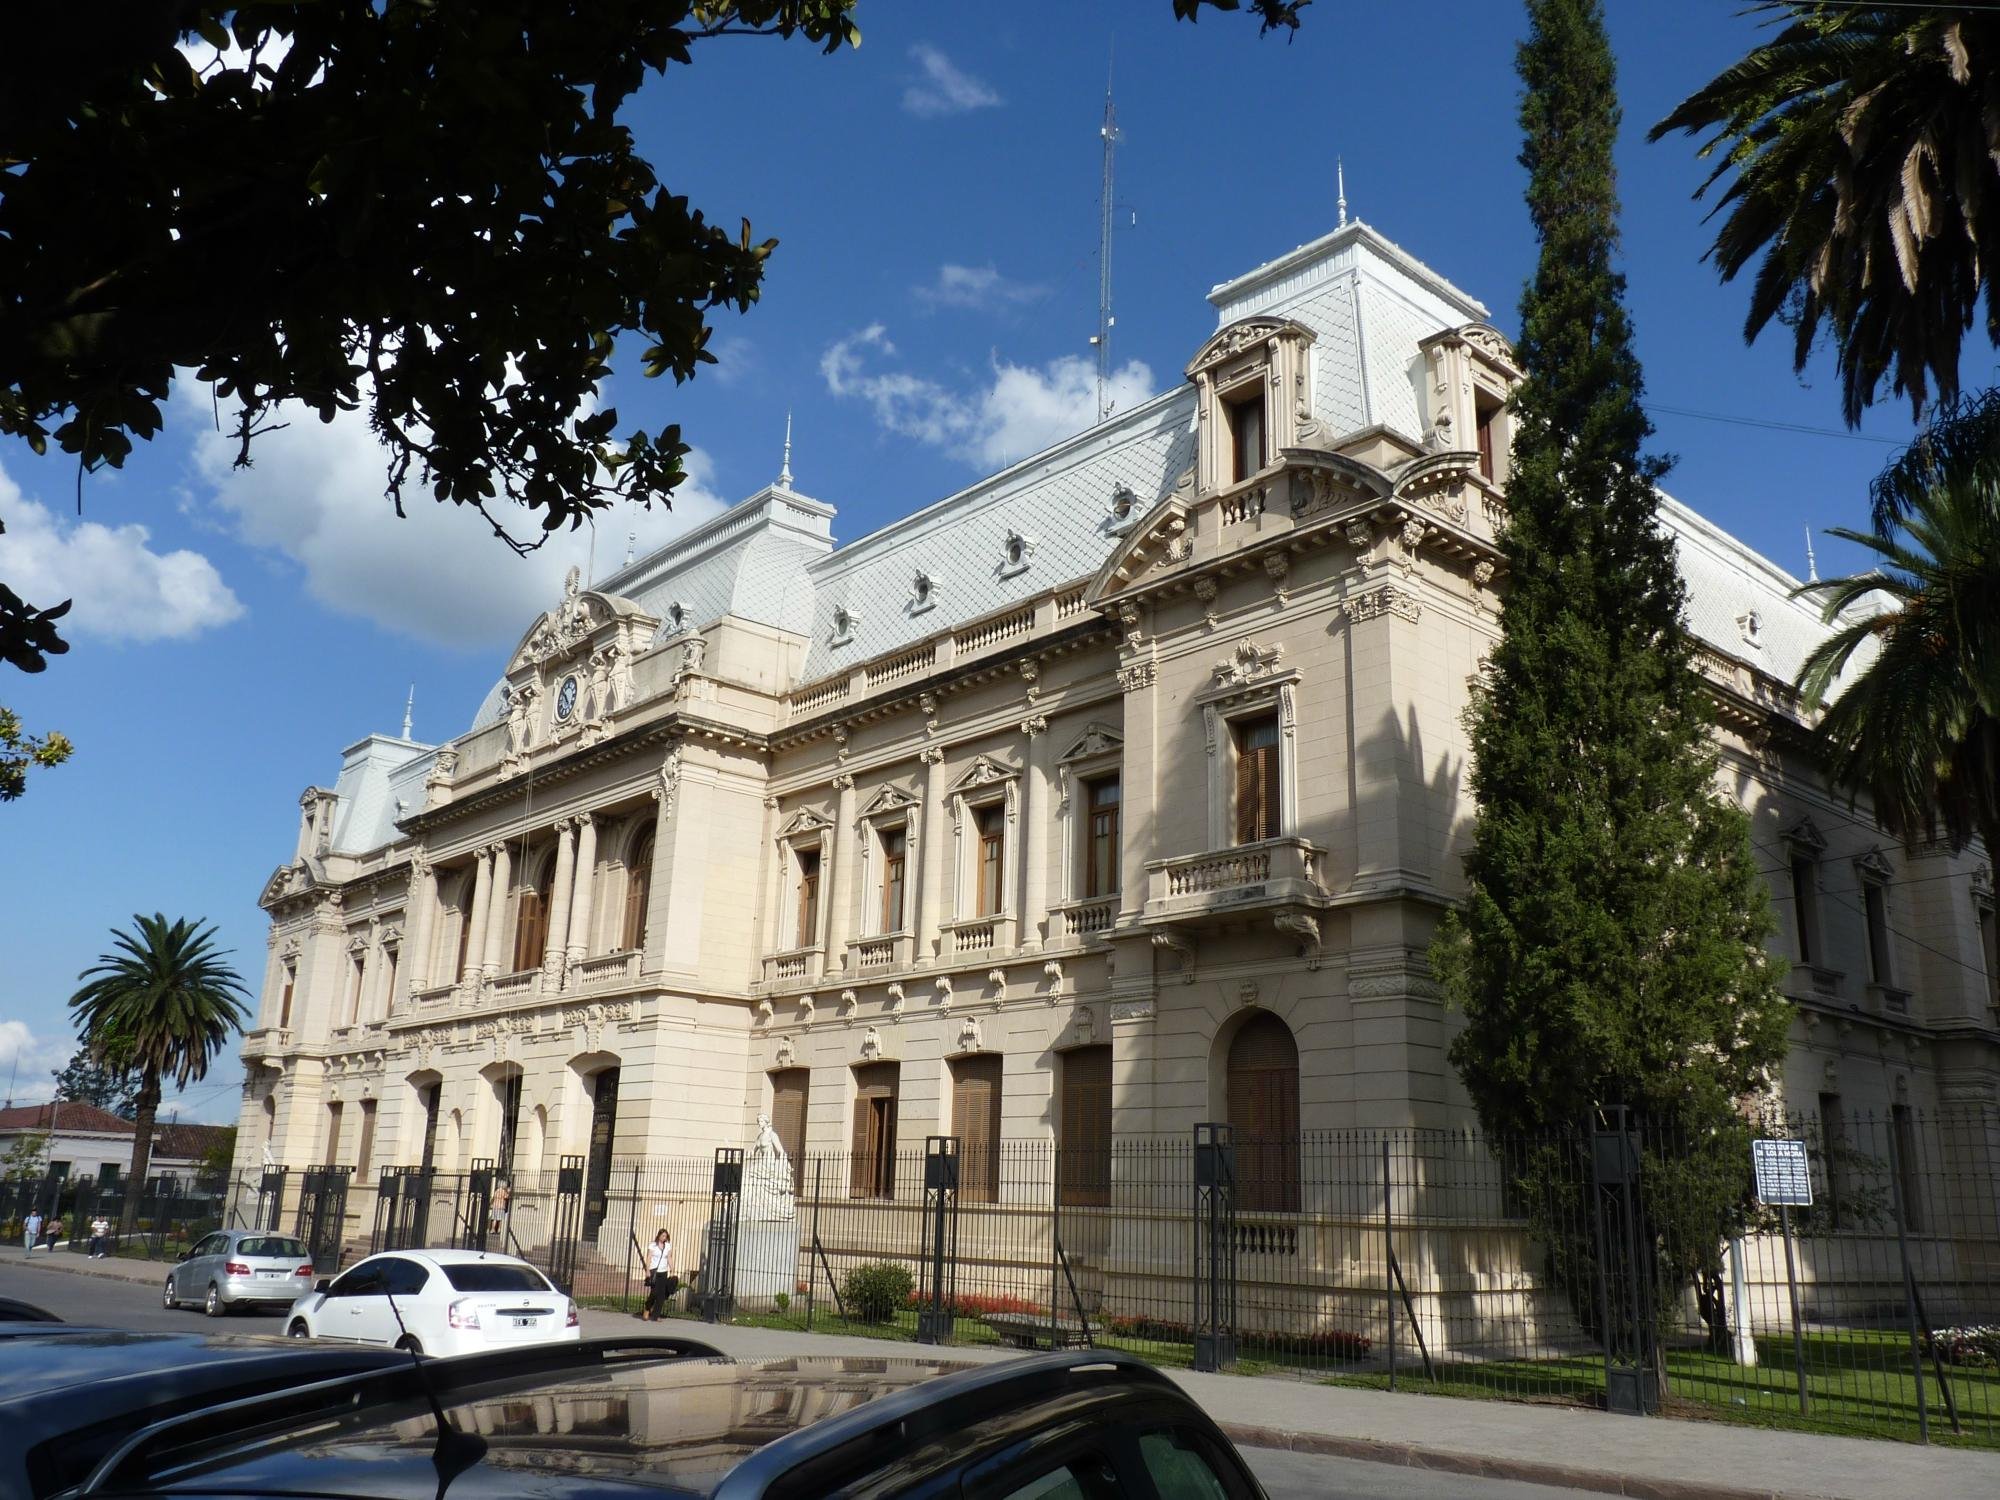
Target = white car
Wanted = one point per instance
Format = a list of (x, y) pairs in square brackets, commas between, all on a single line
[(437, 1302)]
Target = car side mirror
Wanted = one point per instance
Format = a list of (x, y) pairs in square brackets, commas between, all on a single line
[(322, 1284)]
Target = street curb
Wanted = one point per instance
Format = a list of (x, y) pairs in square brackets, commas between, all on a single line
[(1438, 1460), (155, 1273)]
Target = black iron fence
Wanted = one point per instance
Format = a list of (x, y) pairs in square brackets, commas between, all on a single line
[(171, 1213), (1618, 1265)]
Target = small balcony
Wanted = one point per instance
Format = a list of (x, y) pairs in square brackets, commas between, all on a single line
[(972, 937), (879, 953), (1275, 872), (508, 989), (1888, 1000), (604, 970), (795, 966), (431, 995), (1081, 920)]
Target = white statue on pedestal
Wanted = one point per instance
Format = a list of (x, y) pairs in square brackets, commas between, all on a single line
[(767, 1178)]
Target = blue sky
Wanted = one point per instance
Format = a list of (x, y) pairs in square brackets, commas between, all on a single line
[(925, 318)]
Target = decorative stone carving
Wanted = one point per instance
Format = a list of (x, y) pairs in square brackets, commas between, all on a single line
[(998, 979), (1083, 1026), (1034, 725), (766, 1011), (843, 782), (895, 993), (1359, 535), (1874, 866), (1305, 928), (969, 1039), (808, 1008), (786, 1054), (1805, 836), (1248, 662), (1140, 674), (1182, 947), (1031, 672), (1385, 600), (1247, 992), (849, 1002), (1052, 971), (1482, 573), (944, 992), (1133, 1010), (1277, 568), (871, 1043), (928, 703), (1132, 620)]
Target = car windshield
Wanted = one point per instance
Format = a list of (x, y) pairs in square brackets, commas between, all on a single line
[(494, 1276), (278, 1246)]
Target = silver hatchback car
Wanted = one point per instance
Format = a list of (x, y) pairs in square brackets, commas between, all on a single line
[(240, 1268)]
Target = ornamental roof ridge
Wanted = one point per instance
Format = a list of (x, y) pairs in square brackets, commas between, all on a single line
[(1355, 233)]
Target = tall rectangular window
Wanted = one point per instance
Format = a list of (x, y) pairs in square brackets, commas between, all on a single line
[(1246, 435), (1256, 778), (895, 865), (431, 1094), (333, 1132), (509, 1091), (464, 928), (791, 1091), (975, 1119), (992, 823), (1486, 419), (1877, 903), (285, 995), (873, 1172), (357, 972), (1083, 1128), (1100, 850), (392, 958), (1989, 948), (365, 1153), (1805, 906), (808, 897)]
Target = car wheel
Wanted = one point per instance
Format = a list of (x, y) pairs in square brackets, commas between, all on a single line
[(167, 1299), (409, 1345), (213, 1304), (298, 1330)]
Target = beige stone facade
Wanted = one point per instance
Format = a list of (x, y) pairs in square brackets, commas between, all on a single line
[(758, 804)]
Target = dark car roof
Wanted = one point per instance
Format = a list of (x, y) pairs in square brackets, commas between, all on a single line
[(69, 1394), (622, 1420)]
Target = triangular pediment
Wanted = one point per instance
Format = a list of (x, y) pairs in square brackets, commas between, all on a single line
[(891, 799), (806, 820), (1805, 835), (984, 771), (1875, 866), (574, 624), (1096, 739)]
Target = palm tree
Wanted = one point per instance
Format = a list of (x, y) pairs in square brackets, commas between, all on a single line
[(1919, 727), (162, 1005), (1864, 141)]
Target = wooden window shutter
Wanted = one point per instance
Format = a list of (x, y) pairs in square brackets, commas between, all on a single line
[(531, 924), (1085, 1126), (1485, 421), (1263, 1100), (333, 1133), (808, 897), (638, 893), (464, 927), (790, 1089), (873, 1174), (285, 1000), (975, 1119), (1257, 779), (367, 1151)]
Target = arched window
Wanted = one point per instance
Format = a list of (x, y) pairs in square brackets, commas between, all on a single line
[(638, 889), (531, 919), (1263, 1097)]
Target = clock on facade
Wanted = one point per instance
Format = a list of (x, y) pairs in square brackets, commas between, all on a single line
[(566, 699)]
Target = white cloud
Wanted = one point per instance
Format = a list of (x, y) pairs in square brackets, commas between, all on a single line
[(977, 287), (1022, 410), (29, 1059), (944, 89), (124, 589), (735, 358), (315, 497)]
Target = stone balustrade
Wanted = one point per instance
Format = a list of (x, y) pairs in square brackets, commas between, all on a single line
[(1270, 873)]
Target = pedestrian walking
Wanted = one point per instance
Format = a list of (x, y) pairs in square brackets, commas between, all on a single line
[(497, 1214), (100, 1237), (55, 1233), (661, 1283), (31, 1230)]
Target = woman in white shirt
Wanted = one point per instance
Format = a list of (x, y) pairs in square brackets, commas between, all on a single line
[(661, 1283)]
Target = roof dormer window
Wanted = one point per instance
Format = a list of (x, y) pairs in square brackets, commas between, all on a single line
[(1248, 439), (923, 593), (844, 621), (1254, 399), (1014, 554)]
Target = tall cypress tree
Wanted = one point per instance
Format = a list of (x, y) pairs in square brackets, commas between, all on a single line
[(1611, 948)]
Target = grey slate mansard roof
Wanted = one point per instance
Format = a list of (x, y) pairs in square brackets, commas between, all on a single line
[(772, 558)]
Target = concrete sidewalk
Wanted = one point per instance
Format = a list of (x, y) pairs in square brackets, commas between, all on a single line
[(1551, 1445)]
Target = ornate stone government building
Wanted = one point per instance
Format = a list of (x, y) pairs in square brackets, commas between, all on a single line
[(1119, 791)]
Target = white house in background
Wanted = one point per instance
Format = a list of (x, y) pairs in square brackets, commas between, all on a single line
[(85, 1141)]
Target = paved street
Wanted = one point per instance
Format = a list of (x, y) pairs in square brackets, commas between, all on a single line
[(1288, 1476)]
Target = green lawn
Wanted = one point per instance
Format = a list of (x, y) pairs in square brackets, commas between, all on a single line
[(1857, 1383)]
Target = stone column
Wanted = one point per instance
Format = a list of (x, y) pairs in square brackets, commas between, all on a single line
[(1034, 833), (419, 917), (845, 849), (482, 898), (932, 890), (557, 946), (496, 909), (576, 946)]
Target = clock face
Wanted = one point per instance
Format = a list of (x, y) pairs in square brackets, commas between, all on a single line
[(565, 700)]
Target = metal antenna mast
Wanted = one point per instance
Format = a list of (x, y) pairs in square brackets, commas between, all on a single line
[(1109, 132)]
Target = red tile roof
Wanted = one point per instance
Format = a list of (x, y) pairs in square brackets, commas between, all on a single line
[(172, 1141)]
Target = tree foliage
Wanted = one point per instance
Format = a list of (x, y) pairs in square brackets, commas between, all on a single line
[(1858, 153), (1610, 950), (88, 1081), (19, 750), (163, 1004), (26, 1158), (1918, 729)]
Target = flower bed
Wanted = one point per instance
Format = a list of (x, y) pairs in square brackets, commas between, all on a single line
[(1974, 1345)]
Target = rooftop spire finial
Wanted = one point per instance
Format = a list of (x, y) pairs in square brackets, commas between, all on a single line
[(1340, 203), (631, 547), (409, 707), (1812, 563), (785, 469)]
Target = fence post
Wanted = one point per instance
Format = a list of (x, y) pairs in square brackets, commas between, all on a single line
[(1631, 1384), (718, 1269), (565, 1230), (1898, 1199), (631, 1242), (1389, 1259), (1214, 1246), (940, 1237), (1792, 1287), (812, 1255)]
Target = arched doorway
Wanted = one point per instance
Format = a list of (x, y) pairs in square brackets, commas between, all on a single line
[(1262, 1088)]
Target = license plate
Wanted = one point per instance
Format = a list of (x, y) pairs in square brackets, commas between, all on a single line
[(275, 1275), (524, 1322)]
